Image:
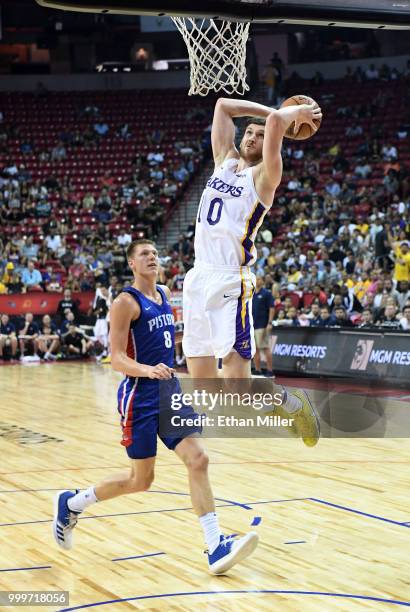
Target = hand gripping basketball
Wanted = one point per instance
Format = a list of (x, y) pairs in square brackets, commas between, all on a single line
[(308, 120)]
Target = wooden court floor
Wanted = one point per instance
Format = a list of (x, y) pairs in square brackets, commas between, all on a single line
[(334, 521)]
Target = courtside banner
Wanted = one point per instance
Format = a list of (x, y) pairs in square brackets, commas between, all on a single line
[(336, 352)]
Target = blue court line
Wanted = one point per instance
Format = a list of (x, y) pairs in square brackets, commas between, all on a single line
[(19, 569), (296, 542), (374, 516), (231, 501), (240, 592), (86, 518), (139, 556), (256, 520)]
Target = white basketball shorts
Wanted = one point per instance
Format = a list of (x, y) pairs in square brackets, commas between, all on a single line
[(217, 311)]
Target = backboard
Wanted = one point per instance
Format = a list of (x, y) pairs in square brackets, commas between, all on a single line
[(387, 14)]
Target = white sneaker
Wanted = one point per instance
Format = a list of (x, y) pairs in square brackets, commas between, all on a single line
[(64, 520), (231, 550)]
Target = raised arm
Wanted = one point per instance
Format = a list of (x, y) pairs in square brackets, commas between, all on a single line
[(223, 127), (123, 311), (278, 121)]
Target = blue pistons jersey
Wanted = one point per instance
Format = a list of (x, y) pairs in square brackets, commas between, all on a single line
[(151, 340)]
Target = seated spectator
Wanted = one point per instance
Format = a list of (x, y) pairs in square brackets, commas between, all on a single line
[(389, 152), (155, 157), (124, 131), (366, 319), (315, 320), (287, 319), (88, 201), (403, 291), (8, 337), (28, 335), (75, 344), (123, 238), (30, 249), (156, 137), (391, 183), (48, 339), (389, 318), (180, 173), (354, 130), (327, 320), (341, 318), (405, 319), (53, 241), (363, 169), (101, 128), (372, 73), (59, 152), (15, 284), (8, 273), (54, 284), (31, 278), (333, 188)]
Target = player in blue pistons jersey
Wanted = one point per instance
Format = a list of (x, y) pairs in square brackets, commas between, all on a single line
[(142, 348)]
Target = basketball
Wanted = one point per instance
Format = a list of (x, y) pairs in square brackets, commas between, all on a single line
[(305, 131)]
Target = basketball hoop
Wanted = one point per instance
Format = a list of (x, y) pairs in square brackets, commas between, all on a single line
[(217, 54)]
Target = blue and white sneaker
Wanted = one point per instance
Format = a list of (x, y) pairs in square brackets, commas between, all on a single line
[(64, 520), (231, 550)]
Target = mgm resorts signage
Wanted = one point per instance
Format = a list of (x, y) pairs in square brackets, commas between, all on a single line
[(336, 352)]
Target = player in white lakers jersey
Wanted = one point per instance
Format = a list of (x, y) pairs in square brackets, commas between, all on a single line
[(218, 290)]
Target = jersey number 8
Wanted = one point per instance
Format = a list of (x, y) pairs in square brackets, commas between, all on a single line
[(167, 339)]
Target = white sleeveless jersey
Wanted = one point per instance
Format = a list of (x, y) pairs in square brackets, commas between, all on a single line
[(229, 216)]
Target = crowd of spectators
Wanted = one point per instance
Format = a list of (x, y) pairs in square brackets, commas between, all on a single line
[(334, 253), (338, 253), (68, 334)]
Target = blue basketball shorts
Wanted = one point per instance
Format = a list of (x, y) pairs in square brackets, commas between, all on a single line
[(145, 407)]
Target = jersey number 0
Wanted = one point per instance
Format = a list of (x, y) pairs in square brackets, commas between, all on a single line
[(214, 213)]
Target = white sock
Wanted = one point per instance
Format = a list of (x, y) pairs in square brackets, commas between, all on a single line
[(212, 532), (82, 500), (291, 403)]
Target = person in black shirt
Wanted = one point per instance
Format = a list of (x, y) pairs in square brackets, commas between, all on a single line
[(76, 344), (67, 302), (15, 285), (382, 246), (340, 317), (366, 319), (48, 340), (28, 335), (389, 318), (7, 336), (327, 320)]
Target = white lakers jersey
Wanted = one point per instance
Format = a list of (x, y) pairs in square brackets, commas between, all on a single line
[(229, 216)]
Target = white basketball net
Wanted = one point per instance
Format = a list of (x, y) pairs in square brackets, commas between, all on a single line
[(217, 54)]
